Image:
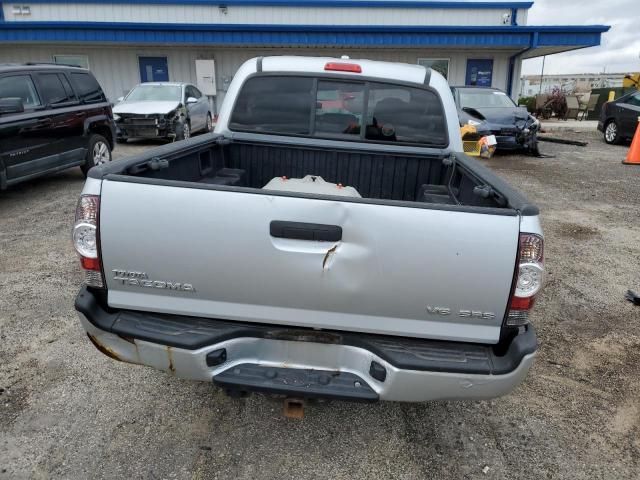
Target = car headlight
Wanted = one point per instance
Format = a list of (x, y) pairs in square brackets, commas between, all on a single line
[(116, 118), (474, 123)]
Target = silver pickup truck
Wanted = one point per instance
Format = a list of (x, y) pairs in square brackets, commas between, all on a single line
[(329, 239)]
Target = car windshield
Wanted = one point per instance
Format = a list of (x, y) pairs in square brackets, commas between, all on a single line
[(154, 93), (476, 98)]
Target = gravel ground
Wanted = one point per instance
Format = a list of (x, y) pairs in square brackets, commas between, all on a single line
[(66, 411)]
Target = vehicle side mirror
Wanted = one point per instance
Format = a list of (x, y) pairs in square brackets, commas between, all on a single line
[(119, 99), (191, 100), (11, 105)]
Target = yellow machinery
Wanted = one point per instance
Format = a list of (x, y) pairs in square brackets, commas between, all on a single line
[(470, 137), (474, 144), (631, 80)]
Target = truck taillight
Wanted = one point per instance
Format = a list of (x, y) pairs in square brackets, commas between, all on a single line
[(529, 278), (85, 239)]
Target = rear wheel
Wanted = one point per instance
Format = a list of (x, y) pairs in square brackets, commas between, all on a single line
[(98, 153), (611, 132), (209, 123)]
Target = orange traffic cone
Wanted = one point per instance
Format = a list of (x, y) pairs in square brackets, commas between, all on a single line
[(633, 157)]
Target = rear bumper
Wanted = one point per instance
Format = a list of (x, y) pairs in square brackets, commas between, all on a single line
[(244, 357)]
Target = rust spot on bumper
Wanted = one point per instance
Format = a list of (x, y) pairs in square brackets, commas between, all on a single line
[(172, 367), (128, 339), (104, 349)]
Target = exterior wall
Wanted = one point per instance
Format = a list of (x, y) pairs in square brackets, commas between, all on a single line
[(117, 69), (212, 14), (516, 85), (522, 15)]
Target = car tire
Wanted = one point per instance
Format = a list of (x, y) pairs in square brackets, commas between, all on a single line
[(98, 153), (612, 133), (183, 131), (209, 125)]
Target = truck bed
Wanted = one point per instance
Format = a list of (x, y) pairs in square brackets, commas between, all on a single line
[(432, 180)]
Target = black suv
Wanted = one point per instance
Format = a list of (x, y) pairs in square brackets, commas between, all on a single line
[(52, 117)]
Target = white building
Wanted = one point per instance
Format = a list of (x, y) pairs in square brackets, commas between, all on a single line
[(569, 83), (125, 42)]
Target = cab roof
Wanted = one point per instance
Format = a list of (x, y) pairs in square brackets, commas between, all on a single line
[(370, 68)]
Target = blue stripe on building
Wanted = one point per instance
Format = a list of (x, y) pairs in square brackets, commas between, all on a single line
[(519, 37)]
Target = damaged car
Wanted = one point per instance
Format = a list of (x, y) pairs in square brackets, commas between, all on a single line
[(162, 110), (493, 112)]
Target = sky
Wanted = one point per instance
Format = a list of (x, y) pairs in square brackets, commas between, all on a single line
[(620, 48)]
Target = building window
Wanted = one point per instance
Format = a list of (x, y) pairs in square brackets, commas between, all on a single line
[(440, 65), (76, 60)]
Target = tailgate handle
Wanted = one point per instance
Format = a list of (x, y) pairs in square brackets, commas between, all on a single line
[(305, 231)]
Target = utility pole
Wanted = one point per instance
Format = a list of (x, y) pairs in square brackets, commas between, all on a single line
[(542, 73)]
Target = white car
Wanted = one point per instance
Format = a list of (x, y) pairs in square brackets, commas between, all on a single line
[(162, 110)]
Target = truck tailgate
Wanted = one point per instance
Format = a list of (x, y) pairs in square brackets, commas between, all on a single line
[(396, 270)]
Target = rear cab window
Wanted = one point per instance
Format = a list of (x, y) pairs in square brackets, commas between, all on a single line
[(405, 115), (339, 109), (345, 109), (274, 105)]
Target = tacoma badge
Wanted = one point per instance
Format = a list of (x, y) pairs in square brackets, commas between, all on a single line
[(141, 279)]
